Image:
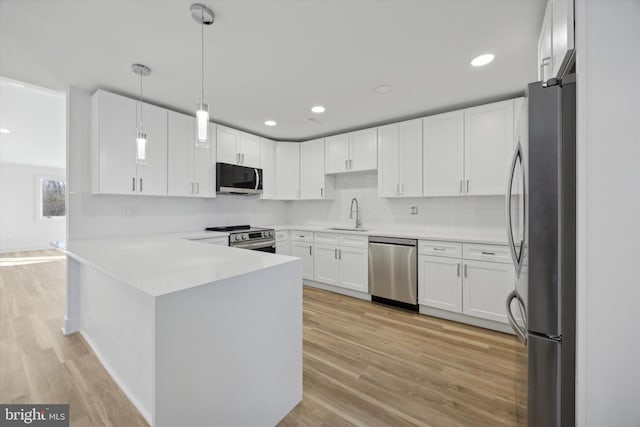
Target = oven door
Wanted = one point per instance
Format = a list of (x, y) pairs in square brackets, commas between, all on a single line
[(263, 245)]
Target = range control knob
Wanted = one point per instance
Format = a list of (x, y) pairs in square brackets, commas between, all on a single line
[(244, 237)]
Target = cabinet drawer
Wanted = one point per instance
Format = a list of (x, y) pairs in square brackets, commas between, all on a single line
[(327, 238), (282, 235), (436, 248), (302, 236), (494, 253), (352, 241)]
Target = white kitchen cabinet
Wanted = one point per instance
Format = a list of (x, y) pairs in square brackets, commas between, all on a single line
[(113, 147), (488, 147), (268, 163), (400, 159), (191, 169), (282, 242), (326, 264), (352, 152), (314, 183), (556, 38), (341, 260), (237, 147), (304, 251), (545, 46), (485, 289), (443, 154), (440, 282), (287, 170), (354, 268)]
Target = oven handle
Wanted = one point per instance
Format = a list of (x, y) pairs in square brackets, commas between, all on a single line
[(254, 245)]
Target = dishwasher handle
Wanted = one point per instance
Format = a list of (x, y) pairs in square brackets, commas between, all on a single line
[(392, 241)]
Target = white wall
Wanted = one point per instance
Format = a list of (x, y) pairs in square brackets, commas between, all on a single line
[(608, 352), (20, 227), (483, 212), (106, 215)]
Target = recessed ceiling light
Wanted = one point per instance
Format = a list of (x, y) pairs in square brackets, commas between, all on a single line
[(382, 89), (318, 109), (481, 60), (3, 130), (270, 123), (17, 84)]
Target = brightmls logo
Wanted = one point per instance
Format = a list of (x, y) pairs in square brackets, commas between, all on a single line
[(34, 415)]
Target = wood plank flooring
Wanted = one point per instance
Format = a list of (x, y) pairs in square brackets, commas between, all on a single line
[(364, 364)]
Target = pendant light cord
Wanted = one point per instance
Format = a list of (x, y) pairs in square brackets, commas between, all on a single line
[(202, 54), (140, 103)]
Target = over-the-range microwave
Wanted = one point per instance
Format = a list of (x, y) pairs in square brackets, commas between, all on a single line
[(234, 179)]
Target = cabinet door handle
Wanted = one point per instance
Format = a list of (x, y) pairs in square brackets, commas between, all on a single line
[(340, 254), (140, 184), (350, 164), (467, 186), (401, 189), (197, 188), (345, 164), (335, 253), (458, 269), (310, 253), (460, 186), (439, 249), (237, 158), (466, 273), (133, 184), (488, 253), (243, 158), (192, 188), (321, 192)]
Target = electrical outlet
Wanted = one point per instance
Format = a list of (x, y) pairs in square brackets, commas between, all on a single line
[(129, 212), (414, 210)]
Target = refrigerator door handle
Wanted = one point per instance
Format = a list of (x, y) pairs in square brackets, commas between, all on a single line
[(516, 255), (520, 332)]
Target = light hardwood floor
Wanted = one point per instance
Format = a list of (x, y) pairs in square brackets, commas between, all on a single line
[(364, 364)]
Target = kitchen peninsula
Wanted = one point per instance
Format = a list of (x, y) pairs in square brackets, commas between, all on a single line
[(195, 334)]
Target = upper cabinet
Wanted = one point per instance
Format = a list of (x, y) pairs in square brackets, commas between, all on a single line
[(352, 152), (400, 159), (556, 38), (314, 184), (443, 154), (467, 152), (268, 163), (237, 147), (191, 169), (113, 147), (287, 170), (488, 146)]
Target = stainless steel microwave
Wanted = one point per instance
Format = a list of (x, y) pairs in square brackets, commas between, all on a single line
[(234, 179)]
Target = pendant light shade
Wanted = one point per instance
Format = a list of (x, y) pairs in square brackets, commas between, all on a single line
[(141, 136), (203, 16)]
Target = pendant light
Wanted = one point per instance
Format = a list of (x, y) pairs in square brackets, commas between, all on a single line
[(141, 136), (203, 16)]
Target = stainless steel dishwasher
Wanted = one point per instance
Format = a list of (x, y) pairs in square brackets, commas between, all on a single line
[(393, 271)]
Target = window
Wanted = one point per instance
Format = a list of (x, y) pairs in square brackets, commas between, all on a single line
[(50, 194)]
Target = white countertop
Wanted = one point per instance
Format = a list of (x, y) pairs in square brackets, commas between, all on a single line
[(447, 234), (162, 264)]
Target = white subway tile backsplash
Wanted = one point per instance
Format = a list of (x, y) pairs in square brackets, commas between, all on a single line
[(479, 211)]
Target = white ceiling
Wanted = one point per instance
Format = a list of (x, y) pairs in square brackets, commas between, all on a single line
[(275, 59), (36, 118)]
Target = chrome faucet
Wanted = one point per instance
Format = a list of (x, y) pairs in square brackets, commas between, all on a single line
[(358, 224)]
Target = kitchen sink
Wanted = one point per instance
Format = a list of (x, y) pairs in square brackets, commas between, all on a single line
[(348, 229)]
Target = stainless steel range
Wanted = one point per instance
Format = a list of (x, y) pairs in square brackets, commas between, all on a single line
[(247, 237)]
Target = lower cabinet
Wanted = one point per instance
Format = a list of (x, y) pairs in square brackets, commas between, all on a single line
[(469, 279), (440, 282), (304, 251), (342, 260), (282, 242), (485, 288)]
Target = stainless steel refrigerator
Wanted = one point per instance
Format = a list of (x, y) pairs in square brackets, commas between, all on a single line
[(541, 227)]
